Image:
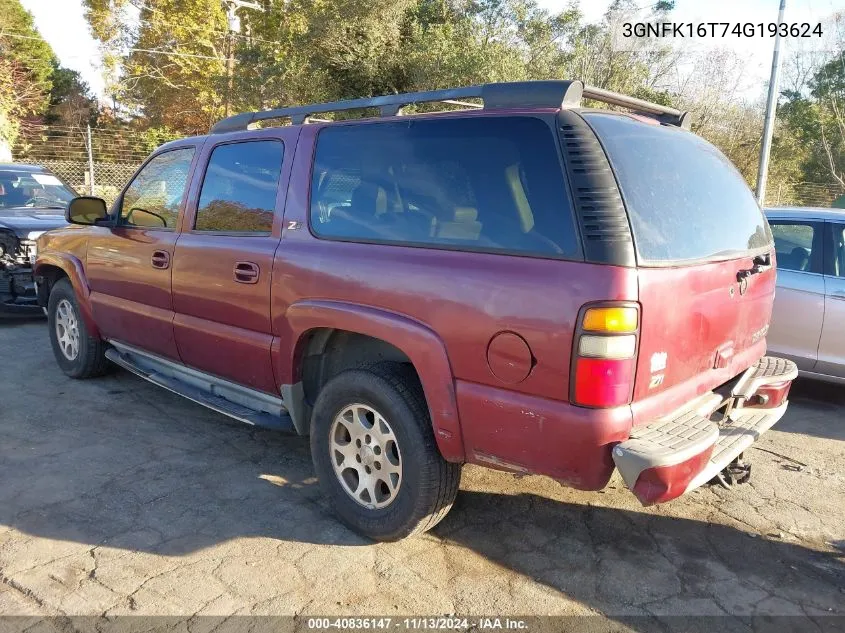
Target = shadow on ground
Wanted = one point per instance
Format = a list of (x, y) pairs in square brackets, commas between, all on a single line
[(117, 462), (145, 485)]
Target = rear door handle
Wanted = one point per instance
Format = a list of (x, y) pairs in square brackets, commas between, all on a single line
[(160, 259), (246, 272)]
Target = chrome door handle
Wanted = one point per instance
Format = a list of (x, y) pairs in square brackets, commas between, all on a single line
[(246, 272), (160, 259)]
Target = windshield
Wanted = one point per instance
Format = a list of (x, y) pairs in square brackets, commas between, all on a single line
[(32, 189), (685, 200)]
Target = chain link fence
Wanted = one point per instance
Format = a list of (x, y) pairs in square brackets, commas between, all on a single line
[(805, 194), (72, 151), (109, 178)]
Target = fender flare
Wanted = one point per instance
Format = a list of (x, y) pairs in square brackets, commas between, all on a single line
[(419, 343), (74, 270)]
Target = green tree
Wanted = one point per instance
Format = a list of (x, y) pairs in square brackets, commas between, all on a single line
[(168, 57), (26, 69)]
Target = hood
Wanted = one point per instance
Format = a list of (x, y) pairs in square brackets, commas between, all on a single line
[(25, 220)]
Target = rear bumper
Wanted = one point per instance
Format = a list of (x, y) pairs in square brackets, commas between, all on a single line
[(680, 452)]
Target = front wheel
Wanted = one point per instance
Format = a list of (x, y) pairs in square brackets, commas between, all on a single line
[(375, 454), (78, 353)]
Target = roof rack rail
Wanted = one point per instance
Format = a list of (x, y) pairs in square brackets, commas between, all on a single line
[(518, 94)]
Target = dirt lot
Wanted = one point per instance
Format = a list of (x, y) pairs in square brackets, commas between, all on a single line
[(119, 498)]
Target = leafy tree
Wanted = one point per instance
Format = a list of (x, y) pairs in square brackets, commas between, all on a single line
[(26, 69)]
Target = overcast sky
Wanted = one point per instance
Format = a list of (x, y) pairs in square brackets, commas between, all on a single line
[(62, 24)]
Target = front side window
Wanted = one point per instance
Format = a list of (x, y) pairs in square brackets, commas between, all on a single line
[(795, 245), (153, 198), (239, 190), (485, 183)]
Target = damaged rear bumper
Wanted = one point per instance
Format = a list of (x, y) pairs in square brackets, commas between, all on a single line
[(679, 453)]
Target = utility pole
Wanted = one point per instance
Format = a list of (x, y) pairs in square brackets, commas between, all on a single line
[(89, 146), (234, 23), (771, 107)]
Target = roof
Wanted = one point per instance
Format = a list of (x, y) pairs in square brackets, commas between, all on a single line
[(805, 213), (554, 94)]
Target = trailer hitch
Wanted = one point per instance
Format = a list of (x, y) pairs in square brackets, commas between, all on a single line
[(735, 473)]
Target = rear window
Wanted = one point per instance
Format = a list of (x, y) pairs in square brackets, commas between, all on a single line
[(482, 183), (685, 200)]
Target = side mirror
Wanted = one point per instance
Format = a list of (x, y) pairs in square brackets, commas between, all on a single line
[(87, 210)]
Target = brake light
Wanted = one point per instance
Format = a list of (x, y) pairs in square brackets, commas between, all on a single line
[(605, 353)]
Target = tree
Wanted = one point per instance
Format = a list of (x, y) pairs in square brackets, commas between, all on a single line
[(26, 69), (168, 58)]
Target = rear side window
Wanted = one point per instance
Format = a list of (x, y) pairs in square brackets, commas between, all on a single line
[(486, 183), (239, 190), (686, 201), (797, 245)]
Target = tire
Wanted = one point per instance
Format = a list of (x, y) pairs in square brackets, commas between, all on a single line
[(85, 359), (426, 484)]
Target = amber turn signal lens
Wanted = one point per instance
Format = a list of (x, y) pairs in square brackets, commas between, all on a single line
[(610, 320)]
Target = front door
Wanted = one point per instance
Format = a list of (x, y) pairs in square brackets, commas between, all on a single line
[(224, 259), (129, 266), (799, 308)]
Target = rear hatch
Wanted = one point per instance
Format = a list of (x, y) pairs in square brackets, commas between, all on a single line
[(706, 283)]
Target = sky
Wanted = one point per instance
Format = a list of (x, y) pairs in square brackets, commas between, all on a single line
[(63, 25)]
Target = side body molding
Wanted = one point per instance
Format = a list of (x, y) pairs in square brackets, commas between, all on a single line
[(422, 346), (73, 268)]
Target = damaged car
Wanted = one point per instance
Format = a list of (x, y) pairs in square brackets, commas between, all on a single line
[(32, 200)]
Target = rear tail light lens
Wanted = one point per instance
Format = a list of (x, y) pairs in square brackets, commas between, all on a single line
[(623, 319), (607, 346), (603, 383), (605, 356)]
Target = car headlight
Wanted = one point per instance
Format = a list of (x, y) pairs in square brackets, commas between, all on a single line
[(34, 235)]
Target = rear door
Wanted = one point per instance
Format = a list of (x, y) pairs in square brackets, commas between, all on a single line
[(224, 258), (799, 309), (702, 247), (832, 344)]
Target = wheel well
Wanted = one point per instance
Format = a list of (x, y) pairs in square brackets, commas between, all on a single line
[(330, 351), (47, 277)]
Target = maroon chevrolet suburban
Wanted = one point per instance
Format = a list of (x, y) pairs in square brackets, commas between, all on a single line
[(517, 282)]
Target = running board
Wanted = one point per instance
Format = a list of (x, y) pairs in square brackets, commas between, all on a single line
[(253, 407)]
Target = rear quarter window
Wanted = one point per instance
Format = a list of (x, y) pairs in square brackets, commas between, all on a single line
[(686, 202), (491, 184)]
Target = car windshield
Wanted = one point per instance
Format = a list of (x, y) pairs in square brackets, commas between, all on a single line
[(32, 189)]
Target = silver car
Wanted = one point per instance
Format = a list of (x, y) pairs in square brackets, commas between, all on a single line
[(808, 321)]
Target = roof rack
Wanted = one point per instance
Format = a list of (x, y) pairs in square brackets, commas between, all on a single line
[(519, 94)]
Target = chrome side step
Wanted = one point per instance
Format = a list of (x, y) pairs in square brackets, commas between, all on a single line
[(238, 402)]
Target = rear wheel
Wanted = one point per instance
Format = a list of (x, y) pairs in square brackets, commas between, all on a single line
[(78, 353), (375, 454)]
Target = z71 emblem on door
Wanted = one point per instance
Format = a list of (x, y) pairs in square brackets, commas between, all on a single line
[(293, 225)]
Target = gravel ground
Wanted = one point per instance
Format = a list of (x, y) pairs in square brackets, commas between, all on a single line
[(117, 497)]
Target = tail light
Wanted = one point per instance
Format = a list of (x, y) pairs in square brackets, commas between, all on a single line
[(605, 355)]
